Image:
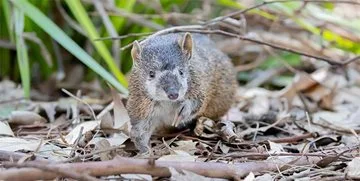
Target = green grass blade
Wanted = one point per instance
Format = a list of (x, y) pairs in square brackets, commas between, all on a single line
[(56, 33), (7, 16), (82, 17), (22, 56)]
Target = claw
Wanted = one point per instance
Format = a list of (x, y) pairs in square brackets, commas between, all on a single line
[(178, 117)]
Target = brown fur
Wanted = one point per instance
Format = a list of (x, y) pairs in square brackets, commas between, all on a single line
[(212, 87)]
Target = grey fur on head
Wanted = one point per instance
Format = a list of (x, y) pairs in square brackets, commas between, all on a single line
[(162, 62)]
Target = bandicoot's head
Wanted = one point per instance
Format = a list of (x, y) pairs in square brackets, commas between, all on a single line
[(162, 64)]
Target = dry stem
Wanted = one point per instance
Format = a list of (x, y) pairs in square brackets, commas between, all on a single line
[(124, 165)]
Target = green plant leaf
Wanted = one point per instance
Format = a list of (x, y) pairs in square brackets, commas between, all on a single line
[(22, 55), (56, 33), (82, 17), (340, 42), (237, 5), (7, 16), (272, 61), (128, 6)]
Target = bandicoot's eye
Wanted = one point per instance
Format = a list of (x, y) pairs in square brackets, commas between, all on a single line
[(181, 72), (151, 74)]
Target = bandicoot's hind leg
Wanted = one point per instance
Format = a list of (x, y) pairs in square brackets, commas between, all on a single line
[(199, 127), (223, 128)]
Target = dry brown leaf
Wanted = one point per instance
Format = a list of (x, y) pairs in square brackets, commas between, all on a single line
[(343, 118), (178, 156), (25, 118), (102, 145), (185, 175), (350, 140), (187, 146), (348, 95), (137, 177), (121, 116), (275, 147), (60, 121), (353, 168), (317, 92), (225, 149), (53, 152), (5, 129), (327, 101), (107, 121), (250, 177), (74, 133), (16, 144), (301, 82), (260, 105), (117, 139), (264, 177)]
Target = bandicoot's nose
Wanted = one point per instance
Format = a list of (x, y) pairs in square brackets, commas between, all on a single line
[(173, 96), (172, 92)]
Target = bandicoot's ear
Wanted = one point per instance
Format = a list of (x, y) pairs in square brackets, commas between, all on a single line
[(186, 44), (135, 51)]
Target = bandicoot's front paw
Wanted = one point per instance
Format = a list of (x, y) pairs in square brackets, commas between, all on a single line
[(142, 148), (140, 135), (140, 144), (199, 128), (183, 115)]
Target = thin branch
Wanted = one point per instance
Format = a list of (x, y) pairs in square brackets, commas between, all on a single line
[(7, 44), (346, 62), (72, 23), (32, 36), (80, 100), (16, 156), (166, 31), (201, 29), (136, 18), (266, 155), (122, 165), (64, 172), (124, 36), (332, 62), (236, 13), (91, 154), (295, 139)]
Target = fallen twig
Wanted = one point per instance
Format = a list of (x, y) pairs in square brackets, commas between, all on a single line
[(63, 172), (352, 60), (14, 156), (122, 165), (266, 155), (294, 139), (91, 154)]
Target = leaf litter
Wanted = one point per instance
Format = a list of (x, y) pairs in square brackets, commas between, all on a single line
[(306, 129), (275, 126)]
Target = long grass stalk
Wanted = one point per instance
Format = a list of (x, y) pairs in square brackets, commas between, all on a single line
[(57, 34)]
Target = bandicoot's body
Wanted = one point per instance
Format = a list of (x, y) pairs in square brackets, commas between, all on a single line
[(175, 78)]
